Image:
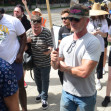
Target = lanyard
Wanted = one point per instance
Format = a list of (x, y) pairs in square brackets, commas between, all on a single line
[(97, 24)]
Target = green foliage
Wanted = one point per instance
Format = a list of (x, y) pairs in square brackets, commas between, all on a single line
[(109, 43)]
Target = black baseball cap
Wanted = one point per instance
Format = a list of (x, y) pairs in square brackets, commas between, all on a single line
[(78, 11)]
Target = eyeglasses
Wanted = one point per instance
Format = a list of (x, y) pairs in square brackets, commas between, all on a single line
[(16, 11), (64, 18), (74, 19), (69, 50)]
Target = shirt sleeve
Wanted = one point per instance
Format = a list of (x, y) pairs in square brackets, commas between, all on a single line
[(19, 27), (93, 51), (109, 31)]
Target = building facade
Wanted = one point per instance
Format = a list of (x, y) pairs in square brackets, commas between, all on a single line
[(14, 2)]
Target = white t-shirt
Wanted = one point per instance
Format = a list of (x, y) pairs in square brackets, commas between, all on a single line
[(102, 25), (87, 47), (10, 28)]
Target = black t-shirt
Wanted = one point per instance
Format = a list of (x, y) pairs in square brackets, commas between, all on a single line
[(63, 32), (26, 22)]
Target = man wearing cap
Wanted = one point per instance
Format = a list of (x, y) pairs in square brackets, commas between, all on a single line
[(41, 45), (37, 11), (77, 57)]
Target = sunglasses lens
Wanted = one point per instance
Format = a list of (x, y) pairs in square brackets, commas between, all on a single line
[(36, 21), (64, 18), (74, 19)]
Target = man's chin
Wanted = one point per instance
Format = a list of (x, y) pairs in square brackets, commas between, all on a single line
[(19, 17)]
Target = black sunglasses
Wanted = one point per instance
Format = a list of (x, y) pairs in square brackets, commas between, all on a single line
[(74, 19), (36, 21), (69, 50), (64, 18)]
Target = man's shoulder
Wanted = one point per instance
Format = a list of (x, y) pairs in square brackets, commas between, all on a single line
[(46, 29), (10, 17), (29, 31), (62, 28), (24, 19), (6, 15), (67, 38), (91, 38)]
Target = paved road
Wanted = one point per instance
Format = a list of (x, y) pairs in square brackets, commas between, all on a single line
[(55, 86)]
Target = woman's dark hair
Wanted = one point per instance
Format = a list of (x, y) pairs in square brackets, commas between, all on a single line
[(20, 6), (100, 17)]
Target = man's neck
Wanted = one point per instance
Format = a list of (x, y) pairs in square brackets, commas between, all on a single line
[(20, 19), (79, 34), (68, 26)]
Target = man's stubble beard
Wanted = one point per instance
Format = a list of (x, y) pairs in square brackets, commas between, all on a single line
[(19, 17)]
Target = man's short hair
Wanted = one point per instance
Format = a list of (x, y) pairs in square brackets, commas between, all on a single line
[(21, 7), (35, 19), (65, 11)]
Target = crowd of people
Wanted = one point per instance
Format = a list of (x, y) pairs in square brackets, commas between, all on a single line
[(81, 53)]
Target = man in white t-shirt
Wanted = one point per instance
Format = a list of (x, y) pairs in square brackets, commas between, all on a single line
[(11, 49), (77, 57)]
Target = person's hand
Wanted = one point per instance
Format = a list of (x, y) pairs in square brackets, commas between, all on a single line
[(55, 55), (47, 52), (24, 2), (98, 32), (95, 32), (19, 58), (26, 47), (62, 66), (29, 39)]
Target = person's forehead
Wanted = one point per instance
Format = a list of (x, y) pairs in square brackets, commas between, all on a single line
[(37, 12), (65, 15), (17, 9), (37, 24)]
